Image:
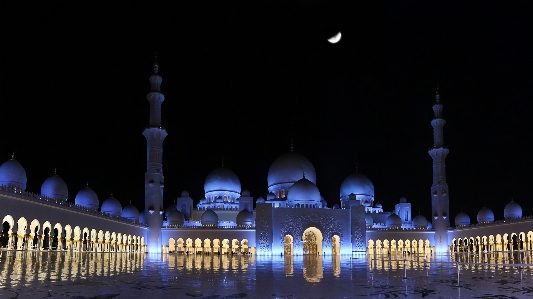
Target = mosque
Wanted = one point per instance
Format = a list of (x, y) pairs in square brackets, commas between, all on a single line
[(294, 219)]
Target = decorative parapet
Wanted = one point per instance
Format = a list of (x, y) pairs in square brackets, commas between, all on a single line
[(58, 203)]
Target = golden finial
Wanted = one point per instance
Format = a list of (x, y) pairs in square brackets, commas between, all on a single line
[(222, 161), (303, 173), (356, 167), (437, 94), (292, 144), (13, 156), (55, 170)]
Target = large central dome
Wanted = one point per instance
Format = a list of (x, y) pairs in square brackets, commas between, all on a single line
[(287, 170), (358, 184), (222, 179)]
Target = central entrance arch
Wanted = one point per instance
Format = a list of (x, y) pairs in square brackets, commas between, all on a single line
[(312, 241)]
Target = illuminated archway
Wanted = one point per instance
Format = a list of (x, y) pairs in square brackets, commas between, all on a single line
[(335, 245), (312, 241), (288, 245)]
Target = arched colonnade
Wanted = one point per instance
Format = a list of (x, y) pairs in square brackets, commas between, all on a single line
[(399, 247), (207, 246), (18, 235), (497, 242)]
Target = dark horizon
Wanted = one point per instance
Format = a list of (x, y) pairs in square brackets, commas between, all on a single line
[(243, 80)]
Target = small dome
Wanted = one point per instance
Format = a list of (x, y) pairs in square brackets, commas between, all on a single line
[(13, 174), (176, 218), (203, 201), (245, 193), (271, 196), (169, 209), (260, 200), (403, 200), (368, 219), (222, 179), (303, 192), (430, 226), (393, 221), (367, 203), (209, 217), (245, 218), (420, 222), (485, 215), (379, 206), (141, 217), (336, 206), (54, 187), (287, 169), (111, 206), (462, 219), (185, 193), (358, 184), (512, 210), (87, 198), (130, 212)]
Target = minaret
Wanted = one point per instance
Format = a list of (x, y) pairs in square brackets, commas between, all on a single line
[(154, 179), (440, 203)]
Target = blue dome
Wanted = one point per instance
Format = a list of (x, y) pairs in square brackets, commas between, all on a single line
[(111, 206), (303, 192), (260, 200), (54, 187), (430, 226), (420, 222), (288, 169), (271, 196), (141, 217), (210, 218), (170, 208), (176, 218), (13, 174), (393, 221), (368, 219), (222, 179), (245, 218), (358, 184), (130, 212), (462, 219), (87, 198), (485, 215), (512, 210)]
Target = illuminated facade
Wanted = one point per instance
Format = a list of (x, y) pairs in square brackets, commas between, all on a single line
[(293, 220)]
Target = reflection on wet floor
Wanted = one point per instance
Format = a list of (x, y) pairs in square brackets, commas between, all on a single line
[(35, 274)]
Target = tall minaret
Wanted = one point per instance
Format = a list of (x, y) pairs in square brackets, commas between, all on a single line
[(154, 179), (440, 204)]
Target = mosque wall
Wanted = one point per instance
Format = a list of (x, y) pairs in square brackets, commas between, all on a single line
[(263, 228), (329, 223), (223, 215), (17, 206)]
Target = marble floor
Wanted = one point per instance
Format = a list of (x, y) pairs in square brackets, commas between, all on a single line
[(32, 274)]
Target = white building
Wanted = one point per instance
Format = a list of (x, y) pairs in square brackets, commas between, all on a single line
[(294, 219)]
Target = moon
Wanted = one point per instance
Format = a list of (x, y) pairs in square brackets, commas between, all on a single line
[(335, 39)]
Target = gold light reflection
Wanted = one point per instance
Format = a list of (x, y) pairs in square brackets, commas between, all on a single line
[(25, 267), (209, 262), (313, 269)]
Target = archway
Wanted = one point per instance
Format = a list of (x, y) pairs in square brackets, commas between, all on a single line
[(335, 245), (287, 245), (22, 225), (312, 241), (7, 229)]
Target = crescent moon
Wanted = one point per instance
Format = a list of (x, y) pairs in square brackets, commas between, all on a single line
[(335, 39)]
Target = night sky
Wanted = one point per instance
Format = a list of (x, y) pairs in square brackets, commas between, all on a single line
[(243, 78)]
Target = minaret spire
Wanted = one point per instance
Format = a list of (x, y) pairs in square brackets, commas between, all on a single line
[(440, 203), (154, 180)]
